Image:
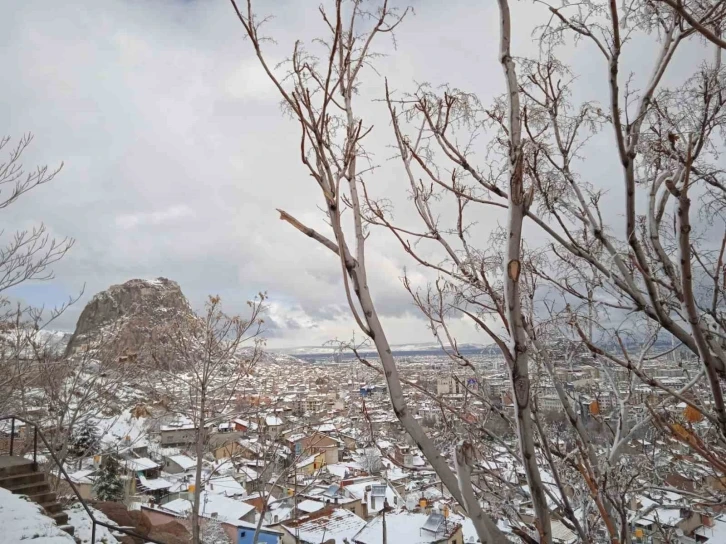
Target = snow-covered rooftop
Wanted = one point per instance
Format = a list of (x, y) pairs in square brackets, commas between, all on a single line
[(295, 437), (716, 533), (82, 476), (140, 463), (225, 485), (409, 527), (310, 506), (227, 510), (375, 503), (184, 461), (154, 484), (123, 430), (243, 422), (273, 421), (336, 525), (341, 469), (247, 473), (325, 428)]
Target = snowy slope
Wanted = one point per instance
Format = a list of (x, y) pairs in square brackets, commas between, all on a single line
[(78, 517), (22, 520)]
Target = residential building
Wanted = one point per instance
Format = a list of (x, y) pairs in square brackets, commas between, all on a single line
[(176, 464), (411, 527), (232, 514), (327, 524), (178, 434), (312, 443)]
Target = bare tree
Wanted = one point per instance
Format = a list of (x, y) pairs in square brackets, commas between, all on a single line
[(213, 533), (25, 255), (30, 253), (75, 389), (321, 99), (64, 392), (25, 343), (598, 291), (706, 18), (204, 360)]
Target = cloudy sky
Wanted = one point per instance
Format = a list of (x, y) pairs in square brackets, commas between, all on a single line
[(176, 153)]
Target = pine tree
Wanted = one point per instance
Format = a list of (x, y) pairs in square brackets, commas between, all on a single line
[(85, 440), (108, 485)]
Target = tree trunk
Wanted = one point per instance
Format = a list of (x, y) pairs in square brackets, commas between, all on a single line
[(519, 358), (198, 473), (485, 527), (683, 224)]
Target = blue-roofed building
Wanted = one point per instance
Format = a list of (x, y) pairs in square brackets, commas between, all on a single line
[(268, 535)]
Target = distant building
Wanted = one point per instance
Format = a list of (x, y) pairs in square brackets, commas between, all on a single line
[(314, 443), (549, 403), (373, 390), (449, 385), (178, 435)]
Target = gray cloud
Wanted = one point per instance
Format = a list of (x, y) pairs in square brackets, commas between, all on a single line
[(176, 153)]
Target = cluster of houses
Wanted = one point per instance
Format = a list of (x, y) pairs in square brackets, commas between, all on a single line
[(285, 483), (292, 482), (320, 460)]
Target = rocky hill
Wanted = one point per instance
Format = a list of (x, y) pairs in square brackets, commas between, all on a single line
[(126, 318)]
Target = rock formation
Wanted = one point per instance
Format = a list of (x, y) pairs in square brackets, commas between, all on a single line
[(127, 318)]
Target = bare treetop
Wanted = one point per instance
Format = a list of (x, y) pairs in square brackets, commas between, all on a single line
[(602, 286)]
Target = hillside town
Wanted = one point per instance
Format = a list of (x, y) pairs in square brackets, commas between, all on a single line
[(363, 272), (310, 451)]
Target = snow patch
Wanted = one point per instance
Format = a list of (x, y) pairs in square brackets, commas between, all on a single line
[(22, 520), (78, 517)]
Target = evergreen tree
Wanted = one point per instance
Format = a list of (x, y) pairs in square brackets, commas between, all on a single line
[(108, 485), (85, 440)]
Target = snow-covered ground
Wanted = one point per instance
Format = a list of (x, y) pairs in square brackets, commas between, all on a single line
[(22, 520), (78, 517)]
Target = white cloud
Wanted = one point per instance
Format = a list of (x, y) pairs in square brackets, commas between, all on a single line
[(177, 153), (249, 81), (158, 217)]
